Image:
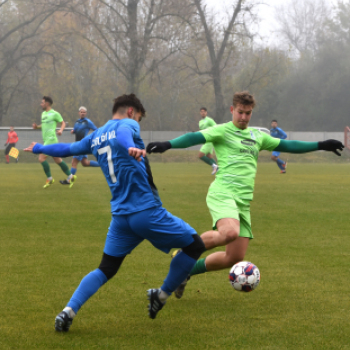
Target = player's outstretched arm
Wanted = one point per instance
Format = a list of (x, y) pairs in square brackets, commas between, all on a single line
[(303, 147), (184, 141)]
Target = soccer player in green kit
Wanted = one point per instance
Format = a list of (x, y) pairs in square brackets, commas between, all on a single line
[(49, 120), (207, 150), (237, 148)]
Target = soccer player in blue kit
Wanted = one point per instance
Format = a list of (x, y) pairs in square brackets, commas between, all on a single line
[(81, 128), (278, 133), (137, 211)]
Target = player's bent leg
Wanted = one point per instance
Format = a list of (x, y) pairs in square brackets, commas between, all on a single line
[(228, 231), (234, 253)]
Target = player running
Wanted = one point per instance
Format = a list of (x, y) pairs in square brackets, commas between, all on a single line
[(137, 211), (81, 128), (11, 141), (49, 120), (237, 148), (206, 153), (278, 133)]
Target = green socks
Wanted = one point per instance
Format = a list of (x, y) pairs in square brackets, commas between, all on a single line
[(199, 267), (64, 168), (209, 161), (46, 167)]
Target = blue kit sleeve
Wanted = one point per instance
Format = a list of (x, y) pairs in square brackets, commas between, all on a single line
[(125, 137), (92, 126), (55, 150), (283, 135)]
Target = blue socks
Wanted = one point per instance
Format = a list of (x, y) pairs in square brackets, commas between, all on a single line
[(73, 171), (180, 267), (88, 286), (280, 163), (94, 163)]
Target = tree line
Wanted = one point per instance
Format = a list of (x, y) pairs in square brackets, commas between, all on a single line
[(177, 56)]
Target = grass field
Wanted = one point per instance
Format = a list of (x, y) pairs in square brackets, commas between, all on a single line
[(51, 238)]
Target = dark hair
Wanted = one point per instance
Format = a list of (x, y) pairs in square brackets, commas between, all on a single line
[(125, 101), (48, 99), (243, 98), (273, 120), (203, 109)]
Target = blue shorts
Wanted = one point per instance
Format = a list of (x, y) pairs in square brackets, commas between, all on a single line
[(164, 230), (275, 153), (80, 158)]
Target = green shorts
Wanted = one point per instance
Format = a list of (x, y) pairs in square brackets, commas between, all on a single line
[(207, 148), (223, 206), (50, 142)]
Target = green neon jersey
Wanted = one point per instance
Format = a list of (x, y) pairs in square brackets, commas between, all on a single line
[(237, 153), (206, 123), (49, 122)]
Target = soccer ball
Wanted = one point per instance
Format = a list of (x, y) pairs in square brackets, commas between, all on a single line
[(244, 276)]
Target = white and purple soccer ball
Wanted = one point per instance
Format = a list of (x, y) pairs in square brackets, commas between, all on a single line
[(244, 276)]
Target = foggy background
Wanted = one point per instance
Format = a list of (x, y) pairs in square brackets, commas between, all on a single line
[(177, 56)]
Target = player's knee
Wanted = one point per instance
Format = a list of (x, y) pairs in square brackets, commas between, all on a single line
[(273, 158), (85, 163), (196, 248), (231, 234), (110, 265)]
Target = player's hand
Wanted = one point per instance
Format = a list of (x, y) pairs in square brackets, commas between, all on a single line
[(72, 131), (158, 147), (35, 126), (30, 147), (137, 153), (59, 132), (331, 145)]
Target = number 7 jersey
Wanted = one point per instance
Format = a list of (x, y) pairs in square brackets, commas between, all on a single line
[(130, 181)]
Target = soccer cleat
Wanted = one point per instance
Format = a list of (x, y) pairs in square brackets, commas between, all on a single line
[(155, 304), (48, 183), (72, 180), (70, 183), (283, 171), (63, 322), (284, 165), (179, 291), (215, 169)]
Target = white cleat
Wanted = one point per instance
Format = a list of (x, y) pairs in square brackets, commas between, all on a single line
[(215, 169)]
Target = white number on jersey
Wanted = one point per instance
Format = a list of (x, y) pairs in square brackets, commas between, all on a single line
[(108, 150)]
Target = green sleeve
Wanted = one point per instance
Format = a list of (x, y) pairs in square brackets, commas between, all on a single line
[(188, 140), (58, 117), (296, 146), (212, 122)]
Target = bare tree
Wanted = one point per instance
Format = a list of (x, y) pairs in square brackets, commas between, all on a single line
[(221, 43), (136, 36), (20, 46), (301, 24)]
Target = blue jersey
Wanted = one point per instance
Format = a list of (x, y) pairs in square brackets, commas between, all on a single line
[(82, 127), (278, 133), (130, 181)]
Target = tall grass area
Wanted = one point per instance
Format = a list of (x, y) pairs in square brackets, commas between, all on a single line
[(50, 239)]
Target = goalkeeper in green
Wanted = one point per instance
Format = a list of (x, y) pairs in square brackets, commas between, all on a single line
[(237, 148)]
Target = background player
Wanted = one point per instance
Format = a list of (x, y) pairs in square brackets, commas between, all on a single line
[(278, 133), (81, 128), (49, 120), (206, 153), (237, 148), (11, 141), (137, 211)]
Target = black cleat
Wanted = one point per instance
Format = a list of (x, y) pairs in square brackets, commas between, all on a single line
[(63, 322), (64, 182), (179, 291), (155, 304)]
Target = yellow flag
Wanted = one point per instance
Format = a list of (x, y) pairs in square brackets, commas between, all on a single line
[(14, 152)]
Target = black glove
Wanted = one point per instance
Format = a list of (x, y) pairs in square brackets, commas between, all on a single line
[(331, 145), (158, 147)]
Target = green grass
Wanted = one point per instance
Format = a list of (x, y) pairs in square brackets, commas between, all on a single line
[(49, 239)]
